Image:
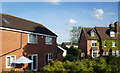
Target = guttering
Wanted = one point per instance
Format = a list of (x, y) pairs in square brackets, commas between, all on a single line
[(10, 29)]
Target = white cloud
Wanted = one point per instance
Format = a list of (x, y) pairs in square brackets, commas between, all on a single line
[(98, 13), (54, 1), (72, 21)]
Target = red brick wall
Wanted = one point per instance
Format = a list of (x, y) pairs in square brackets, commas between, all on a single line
[(82, 43), (89, 46), (11, 41)]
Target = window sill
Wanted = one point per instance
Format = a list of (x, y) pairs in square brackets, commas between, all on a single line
[(32, 43), (48, 43)]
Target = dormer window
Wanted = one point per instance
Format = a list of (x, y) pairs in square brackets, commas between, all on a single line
[(112, 34), (92, 33)]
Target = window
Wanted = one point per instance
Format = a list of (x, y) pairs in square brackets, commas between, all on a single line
[(115, 52), (9, 61), (92, 33), (83, 34), (34, 65), (113, 44), (112, 34), (94, 43), (32, 38), (105, 43), (48, 58), (48, 40), (94, 53), (105, 53)]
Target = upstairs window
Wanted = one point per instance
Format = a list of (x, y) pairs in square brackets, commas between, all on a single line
[(32, 38), (113, 44), (9, 61), (112, 34), (92, 33), (94, 43), (48, 40)]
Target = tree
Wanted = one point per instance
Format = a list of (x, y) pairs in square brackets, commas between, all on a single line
[(75, 34)]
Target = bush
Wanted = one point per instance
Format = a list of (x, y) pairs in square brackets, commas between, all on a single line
[(97, 65)]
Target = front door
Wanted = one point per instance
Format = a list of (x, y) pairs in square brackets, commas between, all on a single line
[(34, 65)]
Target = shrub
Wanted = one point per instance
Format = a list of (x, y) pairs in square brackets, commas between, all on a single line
[(97, 65)]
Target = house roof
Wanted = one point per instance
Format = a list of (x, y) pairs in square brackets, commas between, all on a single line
[(87, 31), (104, 33), (17, 23)]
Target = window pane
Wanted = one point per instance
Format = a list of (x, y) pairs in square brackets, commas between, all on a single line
[(34, 62), (12, 58), (8, 62), (29, 64)]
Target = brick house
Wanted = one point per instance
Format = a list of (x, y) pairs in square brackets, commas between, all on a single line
[(21, 37), (97, 41)]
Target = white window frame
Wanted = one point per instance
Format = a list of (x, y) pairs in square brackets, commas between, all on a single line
[(92, 33), (48, 40), (117, 53), (112, 34), (32, 62), (105, 43), (94, 43), (105, 53), (94, 51), (113, 44), (10, 61), (113, 52), (36, 39), (50, 54)]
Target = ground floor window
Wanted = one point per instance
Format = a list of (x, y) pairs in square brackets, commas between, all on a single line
[(48, 58), (34, 65), (115, 52), (94, 53), (9, 61), (105, 53)]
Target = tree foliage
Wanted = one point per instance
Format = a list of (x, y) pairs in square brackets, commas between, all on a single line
[(75, 34)]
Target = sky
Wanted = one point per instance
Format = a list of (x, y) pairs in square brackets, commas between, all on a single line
[(60, 17)]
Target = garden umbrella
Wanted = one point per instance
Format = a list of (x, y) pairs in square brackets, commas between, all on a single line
[(22, 60)]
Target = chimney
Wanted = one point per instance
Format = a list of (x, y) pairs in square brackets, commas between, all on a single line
[(112, 26), (117, 27)]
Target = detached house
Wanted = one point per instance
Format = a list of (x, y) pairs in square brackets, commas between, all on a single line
[(21, 37), (97, 41)]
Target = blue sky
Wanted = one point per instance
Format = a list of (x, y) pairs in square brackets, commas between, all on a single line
[(60, 17)]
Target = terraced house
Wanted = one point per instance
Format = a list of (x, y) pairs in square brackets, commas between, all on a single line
[(21, 37), (97, 41)]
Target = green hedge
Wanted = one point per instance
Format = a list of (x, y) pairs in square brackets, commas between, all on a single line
[(108, 64)]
